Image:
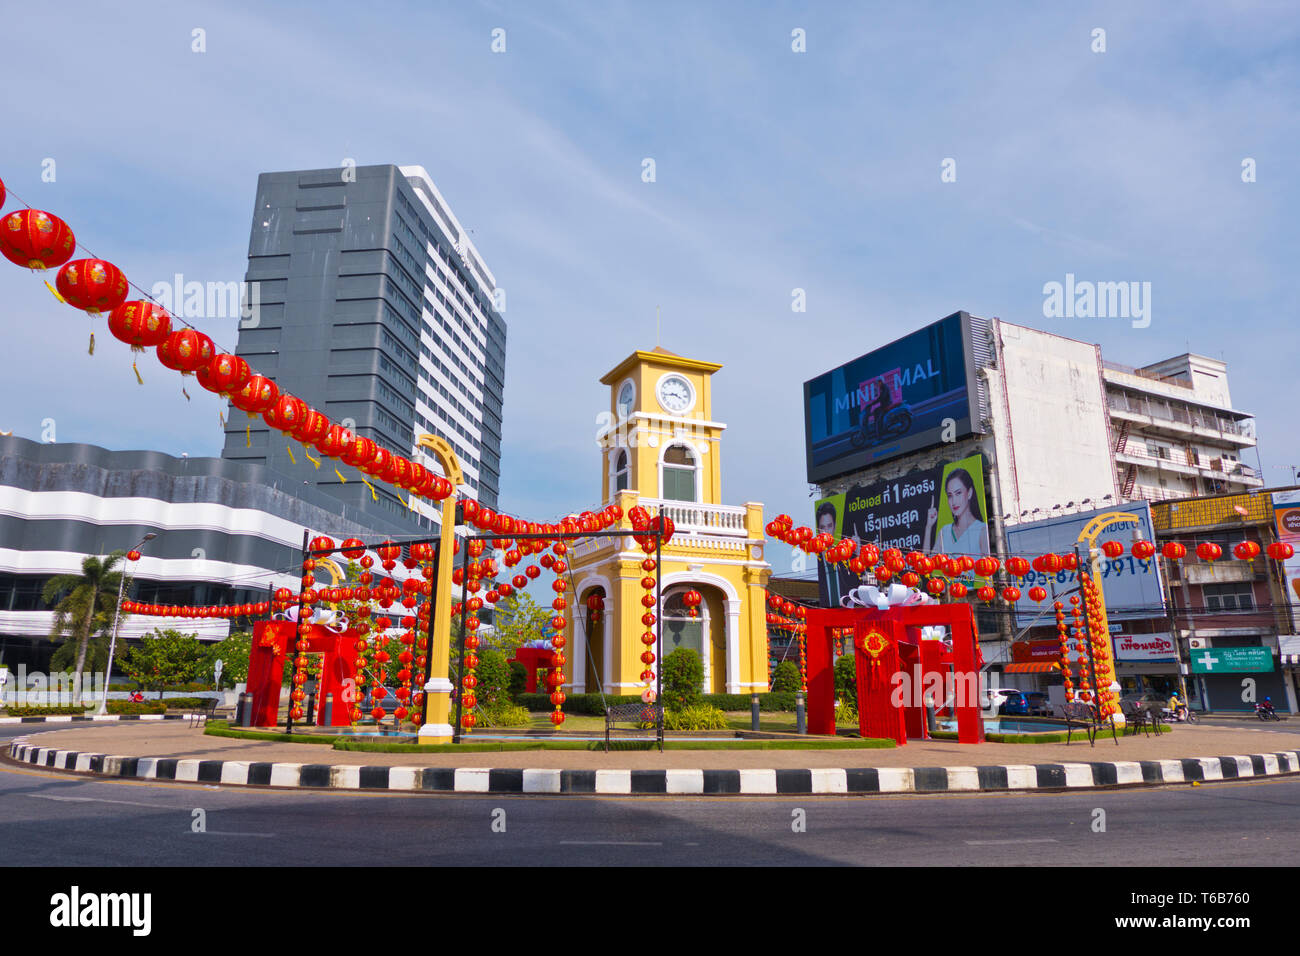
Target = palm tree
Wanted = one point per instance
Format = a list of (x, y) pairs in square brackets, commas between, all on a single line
[(85, 600)]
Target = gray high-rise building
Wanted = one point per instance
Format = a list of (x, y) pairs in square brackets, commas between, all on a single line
[(371, 304)]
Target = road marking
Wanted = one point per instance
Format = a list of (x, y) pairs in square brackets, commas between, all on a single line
[(1006, 842), (605, 843), (231, 833), (125, 803)]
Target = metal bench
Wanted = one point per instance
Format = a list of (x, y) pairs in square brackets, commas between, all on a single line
[(632, 714), (201, 715), (1137, 716), (1085, 716)]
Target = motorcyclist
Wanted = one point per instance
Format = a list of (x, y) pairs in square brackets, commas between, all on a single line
[(1266, 705), (1177, 707)]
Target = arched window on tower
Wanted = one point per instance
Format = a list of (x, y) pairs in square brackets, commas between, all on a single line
[(678, 476), (620, 471)]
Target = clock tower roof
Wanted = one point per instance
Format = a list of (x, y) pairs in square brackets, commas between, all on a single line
[(658, 356)]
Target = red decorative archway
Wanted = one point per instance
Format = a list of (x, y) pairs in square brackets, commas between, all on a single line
[(337, 674), (890, 656)]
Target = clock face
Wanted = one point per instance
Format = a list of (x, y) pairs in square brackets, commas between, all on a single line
[(676, 394), (626, 395)]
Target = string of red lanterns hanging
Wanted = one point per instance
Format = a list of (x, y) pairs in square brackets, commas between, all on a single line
[(912, 568)]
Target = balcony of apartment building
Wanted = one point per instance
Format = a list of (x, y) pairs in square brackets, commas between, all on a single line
[(1146, 469), (1150, 414)]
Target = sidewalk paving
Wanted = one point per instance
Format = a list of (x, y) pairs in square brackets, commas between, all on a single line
[(180, 741)]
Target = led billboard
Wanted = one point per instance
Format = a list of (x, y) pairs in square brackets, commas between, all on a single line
[(910, 394)]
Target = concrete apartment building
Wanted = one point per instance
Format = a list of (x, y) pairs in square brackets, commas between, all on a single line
[(374, 307)]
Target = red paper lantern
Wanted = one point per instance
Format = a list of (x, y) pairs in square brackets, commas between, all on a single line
[(1246, 550), (935, 586), (1143, 550), (256, 396), (92, 285), (223, 374), (1018, 567), (334, 441), (1208, 551), (133, 555), (186, 351), (1280, 551), (986, 567), (353, 548), (692, 599), (1037, 594), (312, 428), (1174, 551), (139, 324), (1112, 549), (322, 544), (287, 413), (359, 453), (1011, 594), (957, 590), (35, 239)]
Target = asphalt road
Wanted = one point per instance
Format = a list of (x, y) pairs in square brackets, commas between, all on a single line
[(48, 818)]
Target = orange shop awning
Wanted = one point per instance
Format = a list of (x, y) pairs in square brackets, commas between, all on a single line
[(1035, 667)]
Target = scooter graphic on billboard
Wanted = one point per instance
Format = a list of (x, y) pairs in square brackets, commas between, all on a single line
[(885, 416)]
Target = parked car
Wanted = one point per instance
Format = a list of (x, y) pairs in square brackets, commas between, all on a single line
[(1039, 704), (1008, 701), (1014, 704)]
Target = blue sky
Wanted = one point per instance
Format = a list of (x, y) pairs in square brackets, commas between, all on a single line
[(775, 170)]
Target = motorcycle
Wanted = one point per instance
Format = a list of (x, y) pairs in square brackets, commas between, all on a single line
[(894, 424), (1266, 712)]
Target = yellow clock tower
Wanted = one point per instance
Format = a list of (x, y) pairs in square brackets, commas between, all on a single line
[(661, 449)]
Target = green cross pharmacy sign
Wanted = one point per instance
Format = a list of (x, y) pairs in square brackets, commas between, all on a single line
[(1232, 660)]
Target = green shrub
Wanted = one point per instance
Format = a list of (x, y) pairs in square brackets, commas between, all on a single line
[(695, 717), (131, 707), (184, 702), (45, 711), (785, 679), (493, 675), (846, 680), (683, 676), (502, 714), (518, 680), (846, 715)]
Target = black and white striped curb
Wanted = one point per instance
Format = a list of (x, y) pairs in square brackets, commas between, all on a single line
[(77, 718), (1051, 776)]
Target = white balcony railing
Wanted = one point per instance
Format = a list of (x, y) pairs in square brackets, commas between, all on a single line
[(692, 518)]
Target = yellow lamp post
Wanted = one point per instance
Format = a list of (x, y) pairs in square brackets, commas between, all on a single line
[(1088, 538), (436, 727)]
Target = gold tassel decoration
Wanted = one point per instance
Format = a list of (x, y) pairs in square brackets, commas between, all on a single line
[(248, 437), (290, 451), (222, 419), (92, 343), (314, 461), (55, 292), (138, 379), (185, 393), (374, 495), (340, 474)]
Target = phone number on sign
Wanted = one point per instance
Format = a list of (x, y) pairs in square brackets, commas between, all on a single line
[(1109, 569)]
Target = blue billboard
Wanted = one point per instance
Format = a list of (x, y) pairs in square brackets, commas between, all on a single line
[(910, 394), (1133, 587)]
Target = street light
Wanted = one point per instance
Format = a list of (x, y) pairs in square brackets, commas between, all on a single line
[(117, 617)]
